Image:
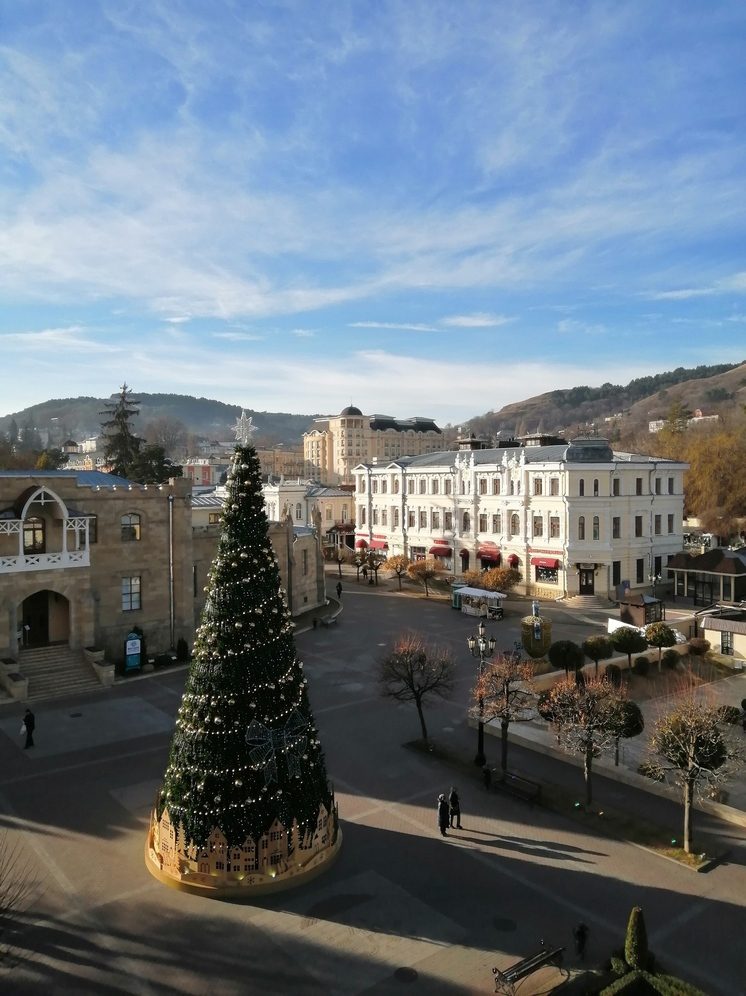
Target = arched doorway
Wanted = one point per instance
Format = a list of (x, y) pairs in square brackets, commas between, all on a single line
[(45, 619)]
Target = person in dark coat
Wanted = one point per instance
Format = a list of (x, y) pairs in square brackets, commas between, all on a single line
[(442, 813), (487, 777), (454, 807), (29, 722), (339, 590)]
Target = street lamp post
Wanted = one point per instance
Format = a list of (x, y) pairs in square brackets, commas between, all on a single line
[(483, 649)]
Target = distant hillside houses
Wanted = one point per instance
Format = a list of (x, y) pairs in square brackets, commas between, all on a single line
[(697, 419)]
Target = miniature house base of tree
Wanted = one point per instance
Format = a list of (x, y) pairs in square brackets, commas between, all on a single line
[(280, 859)]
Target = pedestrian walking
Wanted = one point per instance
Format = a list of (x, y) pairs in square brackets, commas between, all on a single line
[(454, 807), (339, 590), (442, 813), (487, 777), (580, 933), (365, 573), (29, 723)]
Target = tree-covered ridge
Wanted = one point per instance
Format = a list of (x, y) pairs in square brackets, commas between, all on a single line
[(640, 387)]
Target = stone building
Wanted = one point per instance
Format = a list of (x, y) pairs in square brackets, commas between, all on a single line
[(574, 518), (336, 444), (86, 558)]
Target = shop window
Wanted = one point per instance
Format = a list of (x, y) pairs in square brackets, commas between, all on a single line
[(130, 525)]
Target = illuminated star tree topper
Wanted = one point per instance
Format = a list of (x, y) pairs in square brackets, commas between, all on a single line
[(244, 429)]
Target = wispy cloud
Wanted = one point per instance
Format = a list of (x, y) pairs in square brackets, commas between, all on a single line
[(569, 326), (238, 336), (733, 284), (72, 338), (303, 333), (480, 320), (396, 326)]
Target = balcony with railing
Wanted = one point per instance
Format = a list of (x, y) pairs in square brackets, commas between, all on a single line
[(23, 544)]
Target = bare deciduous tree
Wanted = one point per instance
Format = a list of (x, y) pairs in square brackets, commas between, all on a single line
[(691, 747), (16, 889), (399, 565), (414, 671), (583, 716), (506, 692)]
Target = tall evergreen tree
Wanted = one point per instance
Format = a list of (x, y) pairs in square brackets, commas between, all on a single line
[(245, 752), (122, 445)]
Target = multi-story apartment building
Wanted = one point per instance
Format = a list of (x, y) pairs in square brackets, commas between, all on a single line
[(573, 518), (334, 445)]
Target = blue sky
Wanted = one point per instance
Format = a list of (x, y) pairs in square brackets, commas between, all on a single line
[(424, 208)]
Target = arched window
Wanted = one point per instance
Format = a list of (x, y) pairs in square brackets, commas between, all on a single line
[(298, 511), (581, 527), (130, 527), (395, 486), (596, 528), (581, 487), (515, 524), (595, 487), (466, 522), (33, 535)]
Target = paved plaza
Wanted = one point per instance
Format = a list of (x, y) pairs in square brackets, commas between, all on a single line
[(402, 909)]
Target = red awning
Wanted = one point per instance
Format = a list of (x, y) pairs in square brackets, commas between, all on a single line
[(361, 544), (440, 550), (488, 551), (378, 544), (514, 560), (551, 562)]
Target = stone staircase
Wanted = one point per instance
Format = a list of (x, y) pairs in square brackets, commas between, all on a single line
[(55, 671), (587, 602)]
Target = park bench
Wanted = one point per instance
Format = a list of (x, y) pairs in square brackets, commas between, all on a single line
[(505, 981), (521, 788)]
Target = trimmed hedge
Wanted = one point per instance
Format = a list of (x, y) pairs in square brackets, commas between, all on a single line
[(641, 665)]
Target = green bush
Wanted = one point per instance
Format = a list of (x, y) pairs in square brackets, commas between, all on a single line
[(614, 674), (670, 658), (637, 982), (641, 665), (698, 646), (636, 942)]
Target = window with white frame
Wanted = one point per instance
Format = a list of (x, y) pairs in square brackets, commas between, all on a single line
[(374, 487), (638, 525), (410, 485), (537, 525), (434, 486), (554, 486), (130, 526), (423, 519), (361, 516), (384, 486), (447, 486), (538, 486), (448, 520), (466, 522), (596, 528), (423, 485), (515, 524), (482, 522), (497, 522), (670, 524), (483, 485), (384, 517), (436, 519), (395, 518), (581, 527), (595, 487), (554, 526), (374, 517), (616, 527), (411, 518), (496, 485), (657, 524)]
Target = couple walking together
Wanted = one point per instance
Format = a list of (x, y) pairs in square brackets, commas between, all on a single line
[(449, 811)]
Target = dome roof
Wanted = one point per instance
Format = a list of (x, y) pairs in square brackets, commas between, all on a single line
[(350, 410)]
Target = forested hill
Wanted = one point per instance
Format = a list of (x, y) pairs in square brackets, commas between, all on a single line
[(711, 388), (78, 418)]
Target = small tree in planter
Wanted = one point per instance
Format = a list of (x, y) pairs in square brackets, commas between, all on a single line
[(636, 951), (698, 648), (414, 671), (566, 654), (628, 641), (627, 722), (660, 635), (536, 645), (598, 648)]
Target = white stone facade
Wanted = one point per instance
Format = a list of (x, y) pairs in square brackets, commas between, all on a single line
[(573, 518)]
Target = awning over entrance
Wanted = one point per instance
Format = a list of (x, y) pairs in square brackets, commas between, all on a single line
[(440, 550), (514, 560), (489, 551), (361, 544), (550, 562), (379, 544)]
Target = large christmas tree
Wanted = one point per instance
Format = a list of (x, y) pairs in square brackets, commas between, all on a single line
[(245, 801)]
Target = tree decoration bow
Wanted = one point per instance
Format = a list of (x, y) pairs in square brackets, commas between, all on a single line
[(266, 743)]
